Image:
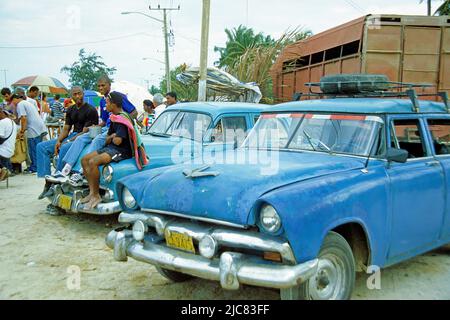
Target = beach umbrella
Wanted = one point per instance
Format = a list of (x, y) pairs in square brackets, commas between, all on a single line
[(135, 93), (44, 83), (92, 97)]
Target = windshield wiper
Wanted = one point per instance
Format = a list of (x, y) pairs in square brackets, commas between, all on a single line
[(320, 143), (160, 134), (309, 139)]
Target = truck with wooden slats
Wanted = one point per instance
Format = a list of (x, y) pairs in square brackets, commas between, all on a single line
[(408, 49)]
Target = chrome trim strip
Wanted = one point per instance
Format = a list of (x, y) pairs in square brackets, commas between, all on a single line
[(180, 215)]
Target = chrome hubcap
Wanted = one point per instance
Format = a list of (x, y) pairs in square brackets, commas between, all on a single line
[(329, 281)]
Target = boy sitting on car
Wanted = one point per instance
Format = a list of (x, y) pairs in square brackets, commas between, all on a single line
[(121, 143)]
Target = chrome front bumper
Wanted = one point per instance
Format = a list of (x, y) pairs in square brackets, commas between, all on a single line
[(106, 208), (230, 268)]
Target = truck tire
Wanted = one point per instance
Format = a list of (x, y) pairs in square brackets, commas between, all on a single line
[(335, 277), (173, 275), (353, 83)]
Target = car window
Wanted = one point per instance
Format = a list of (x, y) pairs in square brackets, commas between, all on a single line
[(228, 129), (256, 118), (162, 123), (191, 125), (440, 132), (408, 136)]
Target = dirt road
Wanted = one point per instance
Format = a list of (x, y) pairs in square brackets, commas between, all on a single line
[(38, 254)]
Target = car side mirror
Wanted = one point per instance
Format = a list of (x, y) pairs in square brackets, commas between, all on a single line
[(397, 155)]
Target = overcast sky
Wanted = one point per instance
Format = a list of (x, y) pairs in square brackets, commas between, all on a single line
[(124, 40)]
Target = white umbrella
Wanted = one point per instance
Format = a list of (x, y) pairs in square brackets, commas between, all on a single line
[(135, 93)]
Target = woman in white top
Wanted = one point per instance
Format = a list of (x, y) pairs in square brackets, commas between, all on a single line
[(8, 132)]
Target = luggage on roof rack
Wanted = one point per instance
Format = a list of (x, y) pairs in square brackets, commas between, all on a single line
[(353, 83)]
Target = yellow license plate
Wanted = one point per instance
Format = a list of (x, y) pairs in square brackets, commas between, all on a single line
[(179, 241), (65, 202)]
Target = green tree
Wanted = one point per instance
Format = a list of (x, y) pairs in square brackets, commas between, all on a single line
[(87, 69), (184, 92), (239, 40), (255, 62), (153, 90), (444, 9)]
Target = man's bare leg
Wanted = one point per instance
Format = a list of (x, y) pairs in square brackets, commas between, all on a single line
[(94, 178), (85, 165)]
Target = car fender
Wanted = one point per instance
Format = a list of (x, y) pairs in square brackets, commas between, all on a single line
[(310, 209)]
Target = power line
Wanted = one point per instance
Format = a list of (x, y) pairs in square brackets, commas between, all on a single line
[(81, 43), (193, 40), (355, 6)]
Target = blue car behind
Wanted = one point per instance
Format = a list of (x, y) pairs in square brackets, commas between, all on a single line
[(181, 132)]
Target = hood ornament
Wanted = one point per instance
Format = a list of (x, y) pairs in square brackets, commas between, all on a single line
[(200, 172)]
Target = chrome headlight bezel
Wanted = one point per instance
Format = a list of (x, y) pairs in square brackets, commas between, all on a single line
[(128, 199), (269, 219), (107, 173)]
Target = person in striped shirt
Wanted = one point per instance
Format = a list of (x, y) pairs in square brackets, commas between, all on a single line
[(57, 109)]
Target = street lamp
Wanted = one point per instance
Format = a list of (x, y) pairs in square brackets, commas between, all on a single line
[(148, 58), (166, 41), (141, 13)]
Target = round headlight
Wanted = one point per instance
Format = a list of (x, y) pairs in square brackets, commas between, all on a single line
[(128, 199), (139, 230), (107, 173), (207, 247), (269, 218)]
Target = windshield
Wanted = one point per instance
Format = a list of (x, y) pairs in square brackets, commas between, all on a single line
[(190, 125), (163, 122), (349, 134)]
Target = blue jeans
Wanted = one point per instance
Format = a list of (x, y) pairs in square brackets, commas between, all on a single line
[(5, 163), (32, 147), (97, 143), (70, 152), (44, 152)]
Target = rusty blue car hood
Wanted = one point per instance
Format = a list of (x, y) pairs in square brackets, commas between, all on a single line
[(231, 194)]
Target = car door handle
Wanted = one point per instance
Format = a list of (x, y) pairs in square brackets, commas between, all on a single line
[(432, 163)]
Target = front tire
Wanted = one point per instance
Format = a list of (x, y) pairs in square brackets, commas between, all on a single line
[(173, 275), (335, 277)]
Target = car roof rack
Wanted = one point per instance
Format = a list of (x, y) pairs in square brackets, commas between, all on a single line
[(361, 89)]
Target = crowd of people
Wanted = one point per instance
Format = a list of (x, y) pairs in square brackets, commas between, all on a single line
[(108, 134)]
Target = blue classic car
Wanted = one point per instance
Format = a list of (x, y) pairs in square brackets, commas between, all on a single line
[(352, 183), (181, 132)]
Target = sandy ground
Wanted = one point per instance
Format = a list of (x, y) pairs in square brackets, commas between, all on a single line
[(38, 250)]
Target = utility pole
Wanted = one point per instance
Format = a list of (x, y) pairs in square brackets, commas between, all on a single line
[(429, 7), (204, 50), (166, 40)]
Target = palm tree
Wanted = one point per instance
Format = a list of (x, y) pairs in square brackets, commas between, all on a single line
[(444, 9), (254, 64), (239, 40)]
